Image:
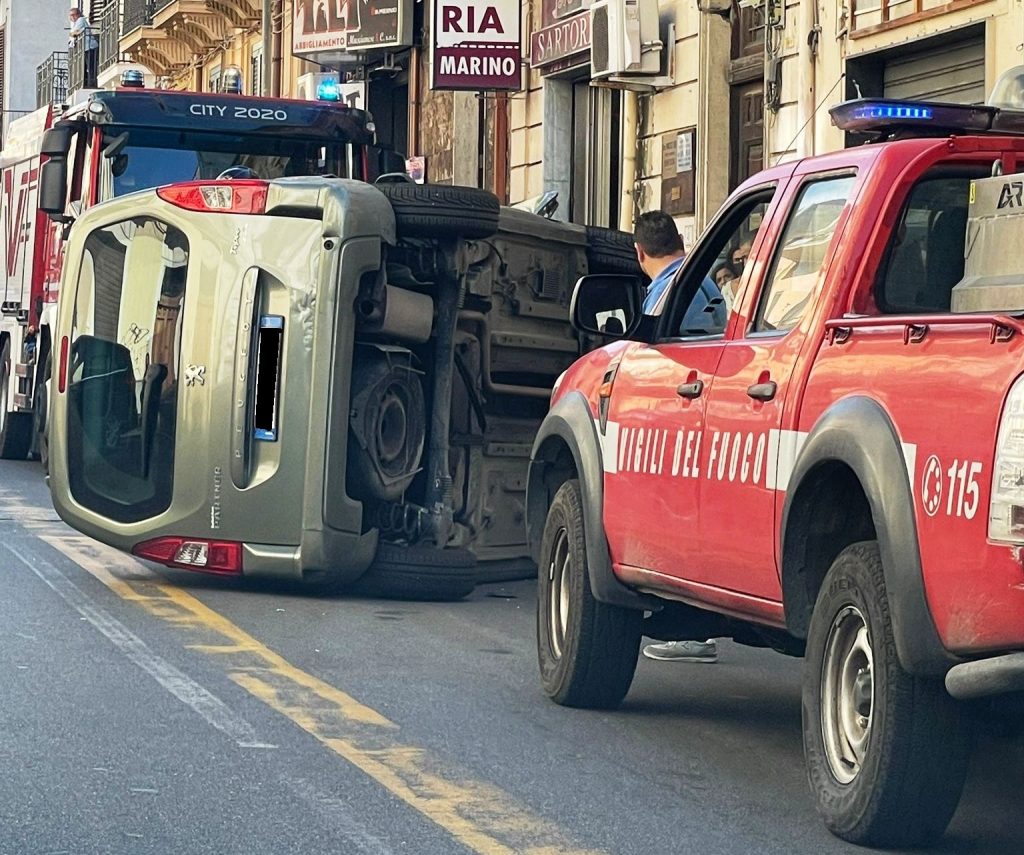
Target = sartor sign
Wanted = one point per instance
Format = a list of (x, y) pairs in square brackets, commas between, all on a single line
[(477, 45)]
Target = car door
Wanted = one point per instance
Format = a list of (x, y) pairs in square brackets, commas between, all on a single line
[(656, 411), (750, 453)]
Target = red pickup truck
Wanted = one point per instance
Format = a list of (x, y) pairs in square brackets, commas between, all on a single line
[(832, 467)]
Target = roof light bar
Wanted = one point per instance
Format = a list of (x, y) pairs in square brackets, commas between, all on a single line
[(880, 115)]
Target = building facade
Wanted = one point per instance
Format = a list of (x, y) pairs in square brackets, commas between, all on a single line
[(25, 45), (742, 85)]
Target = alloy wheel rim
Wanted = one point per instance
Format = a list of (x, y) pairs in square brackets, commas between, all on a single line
[(847, 694), (559, 568)]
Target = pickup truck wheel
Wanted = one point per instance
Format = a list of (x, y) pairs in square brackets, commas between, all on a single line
[(15, 428), (886, 751), (587, 650), (418, 573), (440, 211), (611, 251)]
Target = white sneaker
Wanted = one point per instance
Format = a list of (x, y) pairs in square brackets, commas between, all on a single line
[(683, 651)]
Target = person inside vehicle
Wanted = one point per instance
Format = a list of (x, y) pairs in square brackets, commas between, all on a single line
[(727, 280), (739, 257)]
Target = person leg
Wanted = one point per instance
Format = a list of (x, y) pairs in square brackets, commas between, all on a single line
[(683, 651)]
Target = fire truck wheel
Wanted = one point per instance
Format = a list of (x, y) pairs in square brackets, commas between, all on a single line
[(439, 211), (40, 438), (418, 573), (587, 650), (611, 251), (886, 751), (15, 428)]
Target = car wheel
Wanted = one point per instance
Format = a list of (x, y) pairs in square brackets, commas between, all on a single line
[(587, 650), (886, 751), (418, 573), (611, 251), (15, 428), (440, 211), (40, 401)]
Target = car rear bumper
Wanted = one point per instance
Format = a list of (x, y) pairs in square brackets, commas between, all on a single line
[(981, 678)]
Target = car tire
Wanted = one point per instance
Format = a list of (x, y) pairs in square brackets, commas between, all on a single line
[(886, 751), (15, 428), (40, 405), (611, 251), (587, 650), (418, 573), (440, 211)]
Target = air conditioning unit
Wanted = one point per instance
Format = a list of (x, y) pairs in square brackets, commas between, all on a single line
[(308, 84), (624, 38)]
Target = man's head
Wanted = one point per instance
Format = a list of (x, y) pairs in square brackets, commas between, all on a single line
[(658, 242), (739, 256), (74, 14)]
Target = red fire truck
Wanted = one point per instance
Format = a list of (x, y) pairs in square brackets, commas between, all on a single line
[(113, 142)]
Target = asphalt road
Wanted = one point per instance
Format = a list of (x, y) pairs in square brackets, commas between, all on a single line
[(147, 712)]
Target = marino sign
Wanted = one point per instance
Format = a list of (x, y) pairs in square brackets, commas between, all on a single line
[(477, 45)]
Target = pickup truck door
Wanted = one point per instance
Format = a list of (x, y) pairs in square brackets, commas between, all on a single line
[(748, 455), (656, 411)]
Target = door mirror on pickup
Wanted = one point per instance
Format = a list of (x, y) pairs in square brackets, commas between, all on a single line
[(53, 189), (607, 305)]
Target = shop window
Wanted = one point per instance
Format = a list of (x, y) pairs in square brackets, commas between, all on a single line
[(213, 81)]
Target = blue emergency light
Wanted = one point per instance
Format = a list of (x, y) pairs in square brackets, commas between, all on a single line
[(883, 117), (328, 90)]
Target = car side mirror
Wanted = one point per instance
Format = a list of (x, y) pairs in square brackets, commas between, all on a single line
[(53, 189), (607, 305)]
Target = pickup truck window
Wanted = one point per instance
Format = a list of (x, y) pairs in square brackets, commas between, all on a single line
[(711, 285), (802, 251), (926, 254)]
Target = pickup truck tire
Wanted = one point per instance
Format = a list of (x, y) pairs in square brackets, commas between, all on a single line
[(418, 573), (15, 428), (886, 752), (440, 211), (611, 251), (587, 650)]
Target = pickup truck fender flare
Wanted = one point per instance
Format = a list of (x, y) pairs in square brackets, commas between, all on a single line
[(568, 436), (857, 432)]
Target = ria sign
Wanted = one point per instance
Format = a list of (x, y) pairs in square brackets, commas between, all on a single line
[(477, 45)]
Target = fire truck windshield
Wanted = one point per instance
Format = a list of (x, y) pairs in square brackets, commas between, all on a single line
[(140, 159)]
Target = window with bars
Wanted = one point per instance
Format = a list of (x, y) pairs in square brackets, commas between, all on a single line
[(256, 70)]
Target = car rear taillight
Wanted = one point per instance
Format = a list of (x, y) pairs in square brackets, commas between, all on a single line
[(223, 197), (1006, 506), (208, 556)]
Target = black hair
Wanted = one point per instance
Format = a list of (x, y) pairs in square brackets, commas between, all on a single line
[(656, 234), (725, 265)]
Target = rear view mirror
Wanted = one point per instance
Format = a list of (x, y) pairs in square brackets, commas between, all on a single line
[(53, 189), (607, 305), (57, 141)]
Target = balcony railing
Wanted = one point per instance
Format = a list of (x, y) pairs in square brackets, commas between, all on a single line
[(109, 25), (52, 80), (138, 13)]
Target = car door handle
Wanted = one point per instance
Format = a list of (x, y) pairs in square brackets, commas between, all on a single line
[(763, 391), (690, 390)]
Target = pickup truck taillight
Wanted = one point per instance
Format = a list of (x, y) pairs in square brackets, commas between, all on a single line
[(1006, 510), (223, 197)]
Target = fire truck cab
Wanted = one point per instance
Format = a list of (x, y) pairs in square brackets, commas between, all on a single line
[(110, 143)]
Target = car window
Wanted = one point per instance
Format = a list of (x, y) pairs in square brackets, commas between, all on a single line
[(802, 251), (926, 254), (125, 355), (709, 287)]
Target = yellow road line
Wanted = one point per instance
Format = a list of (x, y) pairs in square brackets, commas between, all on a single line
[(479, 815)]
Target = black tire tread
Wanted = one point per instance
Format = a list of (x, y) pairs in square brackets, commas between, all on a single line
[(611, 251), (16, 438), (601, 659), (442, 211), (924, 751), (417, 573)]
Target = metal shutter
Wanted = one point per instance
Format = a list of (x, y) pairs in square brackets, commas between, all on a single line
[(953, 72)]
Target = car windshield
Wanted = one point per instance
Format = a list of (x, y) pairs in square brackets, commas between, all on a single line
[(140, 159)]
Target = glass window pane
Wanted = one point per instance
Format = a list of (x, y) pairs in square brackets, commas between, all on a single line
[(802, 251), (122, 394)]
